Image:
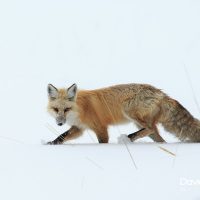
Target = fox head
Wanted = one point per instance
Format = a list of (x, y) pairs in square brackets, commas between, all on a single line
[(62, 103)]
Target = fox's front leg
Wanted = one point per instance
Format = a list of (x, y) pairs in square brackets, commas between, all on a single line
[(102, 134), (72, 133)]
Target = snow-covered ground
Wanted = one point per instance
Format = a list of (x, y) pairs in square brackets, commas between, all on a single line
[(95, 44), (99, 172)]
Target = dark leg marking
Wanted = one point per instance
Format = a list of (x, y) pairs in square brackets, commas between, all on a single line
[(66, 135), (133, 135), (60, 139), (102, 140)]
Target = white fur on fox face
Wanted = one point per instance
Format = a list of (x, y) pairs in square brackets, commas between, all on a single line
[(73, 119), (53, 113)]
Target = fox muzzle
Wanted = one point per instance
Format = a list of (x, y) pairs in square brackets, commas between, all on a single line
[(60, 121)]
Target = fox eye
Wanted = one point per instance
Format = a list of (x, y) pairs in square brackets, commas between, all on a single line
[(67, 109), (55, 109)]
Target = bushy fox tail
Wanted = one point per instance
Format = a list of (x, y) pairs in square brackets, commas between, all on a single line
[(177, 120)]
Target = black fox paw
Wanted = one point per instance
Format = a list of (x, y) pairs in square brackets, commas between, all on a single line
[(55, 142), (132, 136), (50, 143)]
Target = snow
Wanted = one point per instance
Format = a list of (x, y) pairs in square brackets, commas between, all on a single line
[(124, 139), (95, 44), (98, 172)]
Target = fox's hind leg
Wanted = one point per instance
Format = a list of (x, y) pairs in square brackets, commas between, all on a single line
[(151, 132), (149, 129), (133, 135), (140, 134), (154, 136)]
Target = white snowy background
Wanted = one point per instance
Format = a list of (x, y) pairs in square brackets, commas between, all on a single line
[(95, 44)]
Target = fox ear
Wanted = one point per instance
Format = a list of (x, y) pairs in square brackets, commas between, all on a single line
[(71, 92), (52, 92)]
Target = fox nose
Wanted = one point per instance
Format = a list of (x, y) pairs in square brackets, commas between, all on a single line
[(60, 124)]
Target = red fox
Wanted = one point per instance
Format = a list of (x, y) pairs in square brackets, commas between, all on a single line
[(142, 104)]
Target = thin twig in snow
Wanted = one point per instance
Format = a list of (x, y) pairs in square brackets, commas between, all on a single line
[(11, 139), (94, 163), (192, 88), (91, 137), (167, 151), (53, 130), (174, 160), (133, 161)]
